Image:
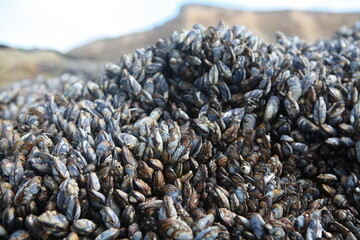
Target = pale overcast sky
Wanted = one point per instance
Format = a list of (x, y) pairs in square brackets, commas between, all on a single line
[(64, 24)]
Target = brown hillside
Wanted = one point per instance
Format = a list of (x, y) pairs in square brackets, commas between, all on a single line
[(17, 64), (307, 25)]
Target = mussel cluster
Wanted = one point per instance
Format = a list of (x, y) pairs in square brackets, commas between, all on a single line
[(211, 133)]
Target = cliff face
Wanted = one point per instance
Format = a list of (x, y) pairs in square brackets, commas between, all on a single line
[(18, 64), (307, 25)]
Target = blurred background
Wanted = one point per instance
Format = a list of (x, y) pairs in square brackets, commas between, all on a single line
[(51, 37)]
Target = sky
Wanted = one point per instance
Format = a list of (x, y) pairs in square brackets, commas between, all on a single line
[(64, 24)]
